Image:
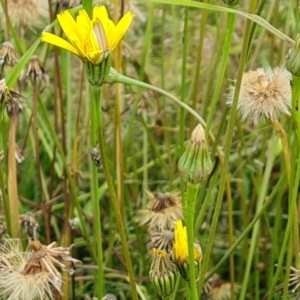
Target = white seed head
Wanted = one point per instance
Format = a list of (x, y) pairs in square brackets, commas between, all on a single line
[(265, 93)]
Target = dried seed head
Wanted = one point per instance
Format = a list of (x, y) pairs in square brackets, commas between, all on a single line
[(265, 93), (161, 240), (14, 104), (8, 56), (34, 71), (32, 274), (162, 211), (217, 289), (31, 225)]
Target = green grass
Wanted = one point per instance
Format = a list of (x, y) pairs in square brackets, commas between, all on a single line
[(177, 59)]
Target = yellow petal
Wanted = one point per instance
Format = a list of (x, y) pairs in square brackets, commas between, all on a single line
[(121, 28), (59, 42), (100, 16), (100, 13), (68, 24), (84, 24)]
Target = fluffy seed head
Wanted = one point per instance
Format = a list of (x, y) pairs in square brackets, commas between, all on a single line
[(32, 274), (265, 93), (28, 13)]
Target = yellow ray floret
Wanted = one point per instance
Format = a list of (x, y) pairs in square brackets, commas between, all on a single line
[(91, 40), (181, 252)]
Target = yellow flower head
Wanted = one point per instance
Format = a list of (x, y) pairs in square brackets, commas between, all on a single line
[(91, 40), (180, 247), (181, 252)]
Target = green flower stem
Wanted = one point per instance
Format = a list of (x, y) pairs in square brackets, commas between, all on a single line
[(189, 213), (96, 94), (99, 129)]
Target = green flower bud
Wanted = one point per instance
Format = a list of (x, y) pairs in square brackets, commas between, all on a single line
[(195, 163), (163, 273), (293, 59), (98, 74)]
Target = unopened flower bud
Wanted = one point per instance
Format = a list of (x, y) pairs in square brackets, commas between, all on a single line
[(163, 273), (293, 59), (195, 163)]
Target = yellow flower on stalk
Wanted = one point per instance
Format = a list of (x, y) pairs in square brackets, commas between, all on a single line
[(91, 40), (181, 252)]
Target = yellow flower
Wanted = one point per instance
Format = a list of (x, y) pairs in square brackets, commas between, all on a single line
[(181, 252), (91, 40)]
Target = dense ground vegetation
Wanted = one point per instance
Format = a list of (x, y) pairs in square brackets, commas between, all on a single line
[(188, 59)]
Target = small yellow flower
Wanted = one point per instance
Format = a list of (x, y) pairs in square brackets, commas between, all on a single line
[(91, 40), (181, 252)]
